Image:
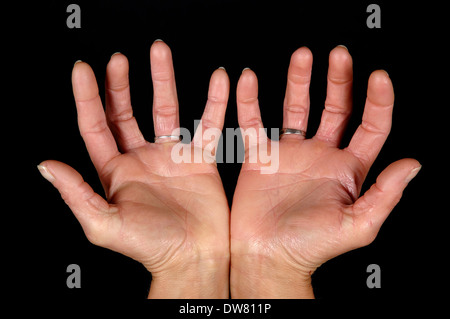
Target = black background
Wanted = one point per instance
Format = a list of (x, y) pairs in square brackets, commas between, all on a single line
[(44, 236)]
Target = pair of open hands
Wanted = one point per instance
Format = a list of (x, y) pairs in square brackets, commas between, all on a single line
[(175, 219)]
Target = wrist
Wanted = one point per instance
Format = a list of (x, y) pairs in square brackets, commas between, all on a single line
[(208, 279), (260, 276)]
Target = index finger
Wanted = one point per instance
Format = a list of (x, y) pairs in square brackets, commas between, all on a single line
[(376, 123), (92, 123)]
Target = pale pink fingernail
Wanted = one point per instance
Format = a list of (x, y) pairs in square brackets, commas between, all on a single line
[(46, 173), (413, 174)]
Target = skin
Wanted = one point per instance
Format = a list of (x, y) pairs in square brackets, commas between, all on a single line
[(285, 225), (174, 218)]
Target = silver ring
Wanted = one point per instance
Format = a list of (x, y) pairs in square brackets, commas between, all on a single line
[(167, 138), (287, 131)]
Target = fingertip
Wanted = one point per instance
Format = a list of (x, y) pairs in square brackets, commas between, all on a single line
[(77, 69), (160, 50), (342, 46), (380, 90), (76, 62), (58, 172), (43, 163), (247, 100), (299, 73), (247, 86), (161, 66), (219, 90), (49, 165), (84, 83), (117, 69), (248, 83), (413, 173), (399, 173), (219, 86), (412, 162), (220, 71), (302, 55), (115, 53), (246, 70), (220, 76), (80, 67), (248, 77), (45, 172), (380, 77), (117, 60), (410, 167), (340, 56)]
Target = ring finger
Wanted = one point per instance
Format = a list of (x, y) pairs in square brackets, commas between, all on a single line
[(296, 101), (165, 101)]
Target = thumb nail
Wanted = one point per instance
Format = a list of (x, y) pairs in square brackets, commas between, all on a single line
[(46, 173), (413, 174)]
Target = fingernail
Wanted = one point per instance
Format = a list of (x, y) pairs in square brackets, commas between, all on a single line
[(245, 69), (343, 46), (77, 61), (221, 67), (45, 173), (115, 54), (413, 173), (158, 40)]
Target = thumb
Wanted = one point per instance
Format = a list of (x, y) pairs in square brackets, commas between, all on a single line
[(372, 209), (92, 211)]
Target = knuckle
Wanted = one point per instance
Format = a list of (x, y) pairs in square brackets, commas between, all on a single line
[(252, 122), (337, 109), (375, 128), (216, 99), (165, 110), (296, 108), (248, 100), (96, 127), (162, 76), (122, 116), (339, 80)]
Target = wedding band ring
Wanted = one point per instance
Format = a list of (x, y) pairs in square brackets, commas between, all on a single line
[(167, 138), (287, 131)]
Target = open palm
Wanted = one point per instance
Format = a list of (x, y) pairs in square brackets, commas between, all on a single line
[(309, 211), (169, 216)]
